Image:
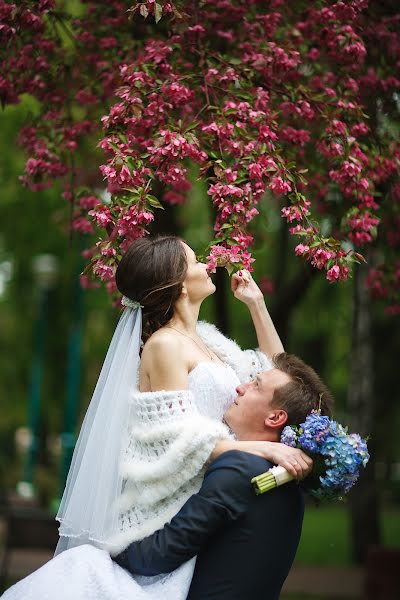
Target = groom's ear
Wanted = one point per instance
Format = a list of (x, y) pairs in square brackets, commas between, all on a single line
[(276, 418)]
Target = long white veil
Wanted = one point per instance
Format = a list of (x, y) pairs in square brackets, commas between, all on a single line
[(88, 510)]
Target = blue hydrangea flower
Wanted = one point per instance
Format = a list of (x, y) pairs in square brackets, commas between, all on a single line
[(313, 432), (343, 454), (289, 437)]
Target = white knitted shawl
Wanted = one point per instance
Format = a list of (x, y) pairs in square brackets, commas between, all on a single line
[(168, 445)]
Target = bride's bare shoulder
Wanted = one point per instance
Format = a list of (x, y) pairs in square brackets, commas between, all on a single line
[(164, 364), (161, 340), (163, 345)]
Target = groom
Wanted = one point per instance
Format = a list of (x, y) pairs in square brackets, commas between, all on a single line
[(245, 544)]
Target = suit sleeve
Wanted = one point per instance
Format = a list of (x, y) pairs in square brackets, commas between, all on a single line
[(222, 498)]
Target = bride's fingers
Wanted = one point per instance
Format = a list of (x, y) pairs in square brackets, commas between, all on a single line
[(290, 468), (246, 275), (307, 461), (305, 467), (236, 281), (298, 468)]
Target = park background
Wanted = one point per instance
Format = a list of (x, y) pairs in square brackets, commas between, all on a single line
[(55, 335)]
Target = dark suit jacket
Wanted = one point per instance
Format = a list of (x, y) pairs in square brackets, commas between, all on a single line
[(245, 544)]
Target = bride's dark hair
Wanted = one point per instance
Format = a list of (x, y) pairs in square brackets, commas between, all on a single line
[(152, 272)]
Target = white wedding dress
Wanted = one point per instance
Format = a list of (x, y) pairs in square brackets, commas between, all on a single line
[(88, 573)]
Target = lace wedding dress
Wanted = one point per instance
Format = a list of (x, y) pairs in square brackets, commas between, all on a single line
[(89, 573)]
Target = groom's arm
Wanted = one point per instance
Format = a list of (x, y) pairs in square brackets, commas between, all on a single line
[(223, 498)]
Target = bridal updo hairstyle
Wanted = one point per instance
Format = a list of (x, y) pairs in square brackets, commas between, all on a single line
[(152, 272)]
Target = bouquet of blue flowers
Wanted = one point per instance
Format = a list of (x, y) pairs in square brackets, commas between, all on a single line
[(337, 457)]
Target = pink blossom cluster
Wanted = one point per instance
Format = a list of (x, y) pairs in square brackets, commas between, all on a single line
[(229, 257), (264, 98), (362, 227)]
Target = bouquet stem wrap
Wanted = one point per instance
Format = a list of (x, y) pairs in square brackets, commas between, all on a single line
[(271, 479)]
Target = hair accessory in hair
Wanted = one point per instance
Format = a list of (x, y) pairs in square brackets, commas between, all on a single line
[(130, 303)]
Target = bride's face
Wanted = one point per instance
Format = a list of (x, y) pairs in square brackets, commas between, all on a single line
[(197, 284)]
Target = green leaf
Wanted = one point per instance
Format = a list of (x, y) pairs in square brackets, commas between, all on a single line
[(192, 126), (152, 200), (144, 11), (89, 266), (157, 12)]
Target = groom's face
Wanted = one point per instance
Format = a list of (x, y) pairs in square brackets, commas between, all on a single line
[(252, 409)]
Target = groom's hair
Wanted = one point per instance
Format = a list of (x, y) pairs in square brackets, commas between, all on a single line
[(305, 392)]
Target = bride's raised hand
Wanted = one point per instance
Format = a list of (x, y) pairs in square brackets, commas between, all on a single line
[(245, 289)]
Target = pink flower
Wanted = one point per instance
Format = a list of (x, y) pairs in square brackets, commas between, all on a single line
[(278, 186), (88, 202), (337, 127), (292, 213), (333, 274), (108, 251), (301, 249), (351, 168), (82, 225), (295, 136), (337, 273), (105, 272), (124, 175), (359, 129), (265, 134), (102, 216), (255, 171), (109, 173), (320, 257), (221, 256), (172, 197)]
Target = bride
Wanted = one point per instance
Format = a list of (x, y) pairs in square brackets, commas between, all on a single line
[(153, 424)]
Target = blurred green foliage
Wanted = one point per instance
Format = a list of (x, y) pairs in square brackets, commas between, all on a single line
[(326, 533)]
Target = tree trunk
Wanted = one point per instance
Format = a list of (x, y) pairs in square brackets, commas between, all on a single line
[(364, 502), (222, 319)]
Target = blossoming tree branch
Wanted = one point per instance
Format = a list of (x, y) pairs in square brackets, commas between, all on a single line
[(297, 100)]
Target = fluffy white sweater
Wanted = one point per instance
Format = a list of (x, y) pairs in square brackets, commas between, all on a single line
[(169, 441)]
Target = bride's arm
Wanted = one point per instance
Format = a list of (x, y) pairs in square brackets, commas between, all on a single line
[(247, 291), (295, 461)]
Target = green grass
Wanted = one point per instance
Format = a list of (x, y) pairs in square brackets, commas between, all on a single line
[(308, 597), (326, 539), (304, 597)]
